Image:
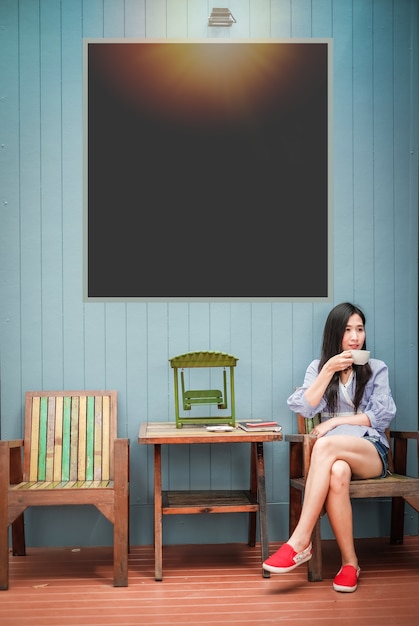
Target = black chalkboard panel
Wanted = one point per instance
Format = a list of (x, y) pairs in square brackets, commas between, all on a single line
[(207, 170)]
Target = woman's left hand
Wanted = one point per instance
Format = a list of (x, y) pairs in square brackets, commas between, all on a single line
[(323, 428)]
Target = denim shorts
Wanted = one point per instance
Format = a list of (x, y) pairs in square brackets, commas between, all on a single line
[(383, 453)]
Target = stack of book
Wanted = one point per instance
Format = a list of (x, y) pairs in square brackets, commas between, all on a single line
[(259, 426)]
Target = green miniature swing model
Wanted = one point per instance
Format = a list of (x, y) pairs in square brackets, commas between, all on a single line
[(194, 397)]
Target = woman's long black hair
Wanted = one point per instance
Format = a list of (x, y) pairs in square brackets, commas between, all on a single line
[(334, 330)]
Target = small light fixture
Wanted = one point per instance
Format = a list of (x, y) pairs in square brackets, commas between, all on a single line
[(221, 17)]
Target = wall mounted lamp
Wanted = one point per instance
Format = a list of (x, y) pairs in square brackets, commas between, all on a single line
[(221, 17)]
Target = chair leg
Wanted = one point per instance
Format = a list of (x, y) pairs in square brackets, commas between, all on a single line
[(18, 536), (314, 566), (18, 543), (4, 515), (251, 535), (397, 520), (4, 557), (121, 515), (296, 503), (120, 553)]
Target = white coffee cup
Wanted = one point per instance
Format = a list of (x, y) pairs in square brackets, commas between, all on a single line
[(360, 357)]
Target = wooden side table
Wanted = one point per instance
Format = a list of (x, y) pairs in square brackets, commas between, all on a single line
[(184, 502)]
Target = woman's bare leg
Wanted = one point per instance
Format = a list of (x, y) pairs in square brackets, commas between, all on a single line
[(339, 510), (364, 462)]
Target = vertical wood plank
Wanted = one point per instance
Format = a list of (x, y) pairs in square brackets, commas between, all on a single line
[(35, 410), (97, 453), (49, 463), (406, 60), (343, 234), (135, 18), (29, 174), (113, 22), (90, 437), (105, 474), (280, 19), (10, 250), (301, 18), (65, 467), (384, 209), (81, 452), (137, 399), (51, 227), (94, 348), (156, 19), (74, 437), (42, 444), (58, 441), (198, 12), (72, 195), (321, 15), (259, 18), (116, 356), (177, 22), (363, 149)]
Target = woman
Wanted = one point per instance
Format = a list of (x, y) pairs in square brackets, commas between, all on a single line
[(356, 407)]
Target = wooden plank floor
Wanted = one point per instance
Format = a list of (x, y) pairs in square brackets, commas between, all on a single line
[(213, 584)]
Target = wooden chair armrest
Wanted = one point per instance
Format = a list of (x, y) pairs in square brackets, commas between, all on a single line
[(400, 440), (404, 434), (121, 460), (300, 437), (14, 443), (125, 441), (300, 453)]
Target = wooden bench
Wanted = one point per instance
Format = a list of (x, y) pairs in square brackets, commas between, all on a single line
[(70, 455), (398, 486)]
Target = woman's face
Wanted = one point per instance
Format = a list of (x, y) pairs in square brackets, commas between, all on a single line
[(354, 335)]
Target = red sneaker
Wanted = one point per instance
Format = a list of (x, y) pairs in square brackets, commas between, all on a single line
[(346, 579), (286, 559)]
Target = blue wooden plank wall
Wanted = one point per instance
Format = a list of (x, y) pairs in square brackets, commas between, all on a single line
[(51, 339)]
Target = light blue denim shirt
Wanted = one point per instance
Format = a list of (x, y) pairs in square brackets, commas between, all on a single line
[(377, 402)]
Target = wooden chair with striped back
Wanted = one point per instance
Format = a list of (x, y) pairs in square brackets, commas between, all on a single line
[(397, 485), (70, 455)]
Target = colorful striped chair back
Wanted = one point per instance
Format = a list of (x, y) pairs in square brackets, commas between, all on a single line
[(68, 437)]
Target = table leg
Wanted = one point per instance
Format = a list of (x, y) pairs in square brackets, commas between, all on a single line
[(254, 492), (158, 532), (263, 521)]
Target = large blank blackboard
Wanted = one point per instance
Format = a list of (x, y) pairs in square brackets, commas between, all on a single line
[(206, 169)]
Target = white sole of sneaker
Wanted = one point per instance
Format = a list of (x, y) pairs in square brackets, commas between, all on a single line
[(305, 556), (345, 589)]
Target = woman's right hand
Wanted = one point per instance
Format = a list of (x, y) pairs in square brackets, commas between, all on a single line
[(336, 363), (341, 361)]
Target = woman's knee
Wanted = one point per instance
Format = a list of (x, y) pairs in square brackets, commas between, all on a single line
[(323, 450), (340, 475)]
